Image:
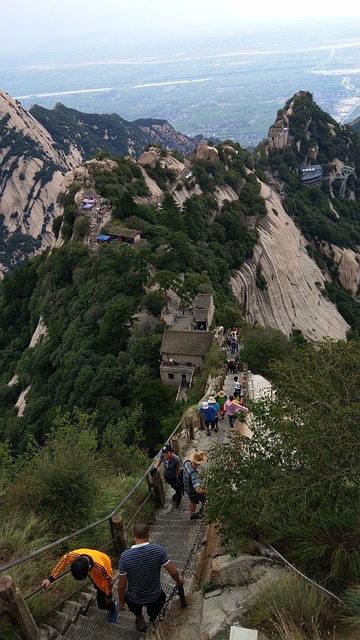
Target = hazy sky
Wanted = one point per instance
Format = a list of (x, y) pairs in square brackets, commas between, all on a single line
[(31, 25)]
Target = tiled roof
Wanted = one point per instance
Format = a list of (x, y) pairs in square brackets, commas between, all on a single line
[(201, 315), (203, 300), (121, 231), (195, 343)]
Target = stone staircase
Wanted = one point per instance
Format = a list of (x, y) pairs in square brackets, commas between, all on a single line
[(80, 619)]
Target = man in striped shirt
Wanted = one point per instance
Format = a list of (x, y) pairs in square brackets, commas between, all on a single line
[(139, 576)]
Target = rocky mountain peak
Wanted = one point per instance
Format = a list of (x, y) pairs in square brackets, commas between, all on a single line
[(31, 178)]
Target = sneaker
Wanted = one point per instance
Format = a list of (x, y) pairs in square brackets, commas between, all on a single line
[(208, 433), (114, 614), (216, 430), (177, 503)]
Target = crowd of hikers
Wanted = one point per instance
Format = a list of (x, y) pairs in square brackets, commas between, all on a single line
[(139, 566)]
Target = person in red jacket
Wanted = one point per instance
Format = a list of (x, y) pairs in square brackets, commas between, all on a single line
[(89, 563)]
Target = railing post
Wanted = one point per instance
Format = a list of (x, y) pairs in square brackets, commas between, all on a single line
[(246, 382), (201, 421), (15, 604), (175, 444), (156, 486), (190, 425), (118, 532)]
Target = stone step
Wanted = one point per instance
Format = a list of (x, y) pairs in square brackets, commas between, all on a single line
[(72, 609), (97, 628), (46, 632), (59, 621), (126, 619), (86, 599)]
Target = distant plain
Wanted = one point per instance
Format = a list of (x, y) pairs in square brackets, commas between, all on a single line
[(227, 86)]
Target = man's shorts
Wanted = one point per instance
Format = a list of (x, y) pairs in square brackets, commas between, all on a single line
[(153, 608)]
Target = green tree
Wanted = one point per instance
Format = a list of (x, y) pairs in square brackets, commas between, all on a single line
[(115, 326), (154, 302), (262, 345), (166, 280), (81, 228), (298, 485), (59, 477)]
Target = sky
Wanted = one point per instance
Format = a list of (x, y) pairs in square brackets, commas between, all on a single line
[(51, 24)]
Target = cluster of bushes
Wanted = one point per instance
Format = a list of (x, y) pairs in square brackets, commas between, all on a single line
[(15, 247), (125, 178), (163, 176)]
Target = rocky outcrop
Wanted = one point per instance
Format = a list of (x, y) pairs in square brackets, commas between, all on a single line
[(292, 298), (348, 263), (163, 133), (230, 590), (235, 581), (31, 177), (182, 172), (205, 152), (149, 157), (38, 335)]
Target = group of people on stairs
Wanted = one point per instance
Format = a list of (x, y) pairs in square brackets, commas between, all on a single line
[(139, 576), (216, 407), (184, 478), (139, 567)]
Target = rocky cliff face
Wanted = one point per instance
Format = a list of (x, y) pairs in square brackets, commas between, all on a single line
[(163, 133), (292, 298), (348, 263), (31, 178), (183, 173)]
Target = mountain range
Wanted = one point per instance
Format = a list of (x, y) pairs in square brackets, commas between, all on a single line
[(80, 323), (307, 241)]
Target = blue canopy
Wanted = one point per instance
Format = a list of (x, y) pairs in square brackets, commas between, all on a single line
[(103, 238)]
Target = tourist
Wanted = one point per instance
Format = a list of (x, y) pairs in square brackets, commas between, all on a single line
[(139, 576), (212, 403), (209, 414), (221, 398), (172, 467), (192, 481), (88, 563), (231, 409), (233, 345), (237, 387)]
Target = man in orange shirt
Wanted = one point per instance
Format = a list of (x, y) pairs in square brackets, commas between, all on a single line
[(89, 563)]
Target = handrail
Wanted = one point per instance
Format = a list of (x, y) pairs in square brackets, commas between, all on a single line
[(52, 545)]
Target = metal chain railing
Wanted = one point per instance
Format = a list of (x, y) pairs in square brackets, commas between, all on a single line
[(75, 534)]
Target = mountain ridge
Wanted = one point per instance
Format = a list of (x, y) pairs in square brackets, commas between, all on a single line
[(313, 136), (93, 132)]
